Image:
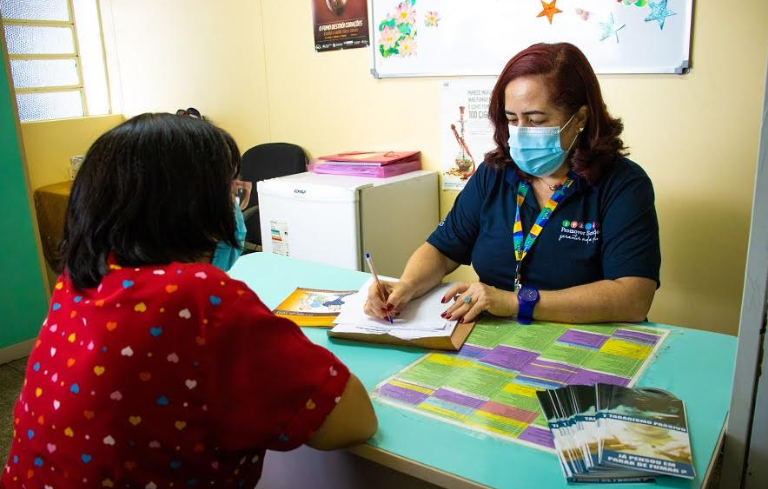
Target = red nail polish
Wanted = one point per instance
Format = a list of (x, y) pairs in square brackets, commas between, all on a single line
[(448, 316), (443, 300), (390, 307)]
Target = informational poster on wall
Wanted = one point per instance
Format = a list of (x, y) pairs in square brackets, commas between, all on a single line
[(340, 24), (478, 37), (466, 131)]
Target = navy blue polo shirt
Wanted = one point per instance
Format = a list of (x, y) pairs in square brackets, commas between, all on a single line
[(606, 230)]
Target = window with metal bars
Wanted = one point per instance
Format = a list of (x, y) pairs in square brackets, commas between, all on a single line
[(56, 53)]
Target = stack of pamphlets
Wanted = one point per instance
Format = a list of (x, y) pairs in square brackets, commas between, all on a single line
[(313, 307), (368, 164), (609, 434)]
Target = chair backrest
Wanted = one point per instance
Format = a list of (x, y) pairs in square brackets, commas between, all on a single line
[(264, 161), (272, 160)]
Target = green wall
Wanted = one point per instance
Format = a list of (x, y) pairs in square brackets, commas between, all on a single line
[(22, 293)]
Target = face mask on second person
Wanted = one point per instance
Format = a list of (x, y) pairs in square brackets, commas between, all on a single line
[(537, 150)]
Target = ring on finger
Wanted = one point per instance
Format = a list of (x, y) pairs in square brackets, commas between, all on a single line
[(467, 299)]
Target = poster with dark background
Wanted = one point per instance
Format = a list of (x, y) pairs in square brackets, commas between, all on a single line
[(340, 24)]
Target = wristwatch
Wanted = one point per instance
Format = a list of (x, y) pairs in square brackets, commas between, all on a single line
[(527, 297)]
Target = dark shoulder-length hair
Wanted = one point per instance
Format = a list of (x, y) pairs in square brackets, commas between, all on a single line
[(153, 190), (572, 84)]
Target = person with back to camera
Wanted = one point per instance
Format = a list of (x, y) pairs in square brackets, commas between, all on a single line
[(154, 368), (558, 224)]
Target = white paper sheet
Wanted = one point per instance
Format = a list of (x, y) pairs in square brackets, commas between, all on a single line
[(420, 319)]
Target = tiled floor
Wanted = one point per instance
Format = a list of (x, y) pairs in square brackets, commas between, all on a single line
[(11, 377)]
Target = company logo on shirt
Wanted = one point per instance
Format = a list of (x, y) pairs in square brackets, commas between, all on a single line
[(583, 231), (589, 226)]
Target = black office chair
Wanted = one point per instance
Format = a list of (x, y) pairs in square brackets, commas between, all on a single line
[(270, 160)]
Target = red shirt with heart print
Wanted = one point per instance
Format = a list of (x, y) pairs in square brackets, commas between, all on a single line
[(165, 376)]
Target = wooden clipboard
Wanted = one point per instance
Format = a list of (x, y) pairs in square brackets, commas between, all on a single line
[(453, 342)]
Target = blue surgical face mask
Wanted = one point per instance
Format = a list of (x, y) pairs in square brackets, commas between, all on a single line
[(225, 254), (537, 150)]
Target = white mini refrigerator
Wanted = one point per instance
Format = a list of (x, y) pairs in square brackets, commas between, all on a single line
[(336, 219)]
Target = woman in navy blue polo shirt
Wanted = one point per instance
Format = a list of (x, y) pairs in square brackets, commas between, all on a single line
[(558, 224)]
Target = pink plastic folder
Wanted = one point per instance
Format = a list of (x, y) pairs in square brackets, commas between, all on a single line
[(365, 169), (373, 157)]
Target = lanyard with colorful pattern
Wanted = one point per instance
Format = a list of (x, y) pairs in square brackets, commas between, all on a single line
[(521, 250)]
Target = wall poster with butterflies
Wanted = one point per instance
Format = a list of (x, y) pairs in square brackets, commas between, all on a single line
[(477, 37)]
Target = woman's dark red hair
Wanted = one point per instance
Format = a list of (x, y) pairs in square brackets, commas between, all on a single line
[(572, 84)]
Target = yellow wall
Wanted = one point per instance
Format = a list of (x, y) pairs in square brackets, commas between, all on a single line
[(174, 54), (49, 145), (253, 68)]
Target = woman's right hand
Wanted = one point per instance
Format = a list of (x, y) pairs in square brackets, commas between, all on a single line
[(396, 297)]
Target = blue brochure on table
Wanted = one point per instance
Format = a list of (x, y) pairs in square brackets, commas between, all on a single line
[(645, 430)]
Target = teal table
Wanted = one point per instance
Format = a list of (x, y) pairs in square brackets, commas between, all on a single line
[(697, 366)]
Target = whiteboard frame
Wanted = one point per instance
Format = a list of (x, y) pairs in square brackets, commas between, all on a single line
[(683, 69)]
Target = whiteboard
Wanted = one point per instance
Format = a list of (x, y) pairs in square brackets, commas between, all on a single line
[(477, 37)]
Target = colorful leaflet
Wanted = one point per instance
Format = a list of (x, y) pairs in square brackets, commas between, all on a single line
[(490, 385)]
